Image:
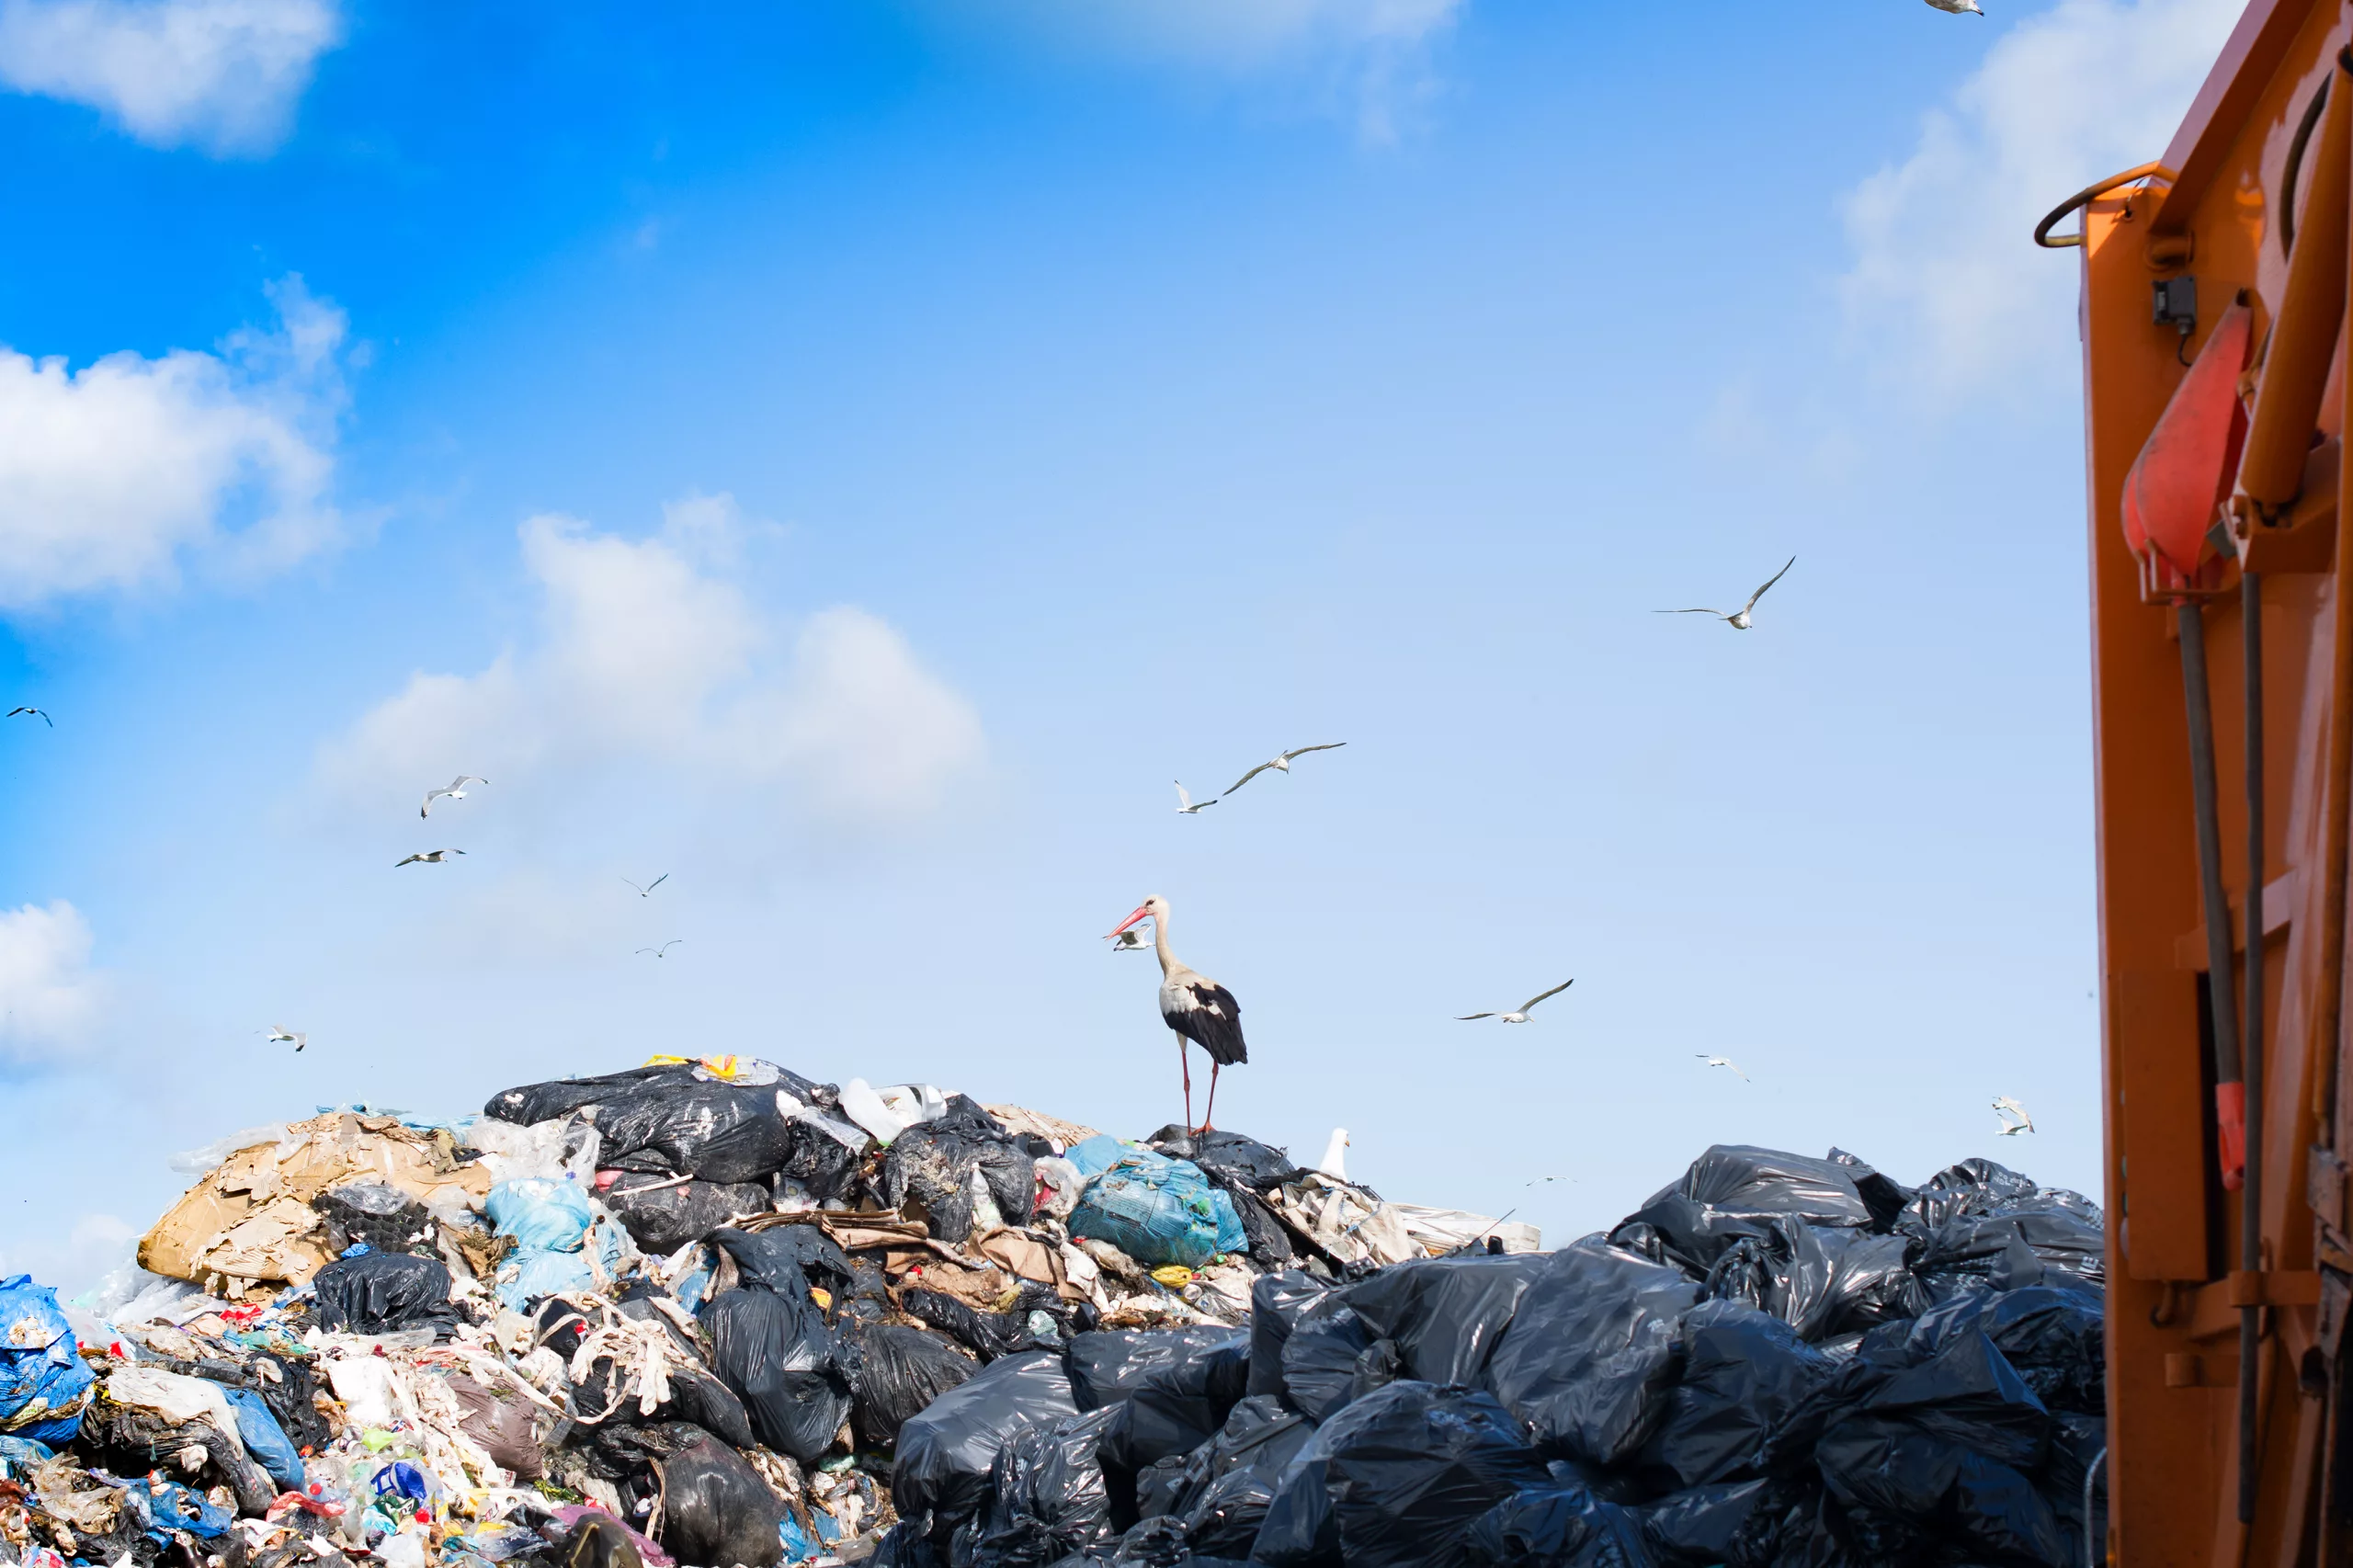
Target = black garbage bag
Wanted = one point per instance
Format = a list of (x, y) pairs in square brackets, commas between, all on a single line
[(291, 1397), (898, 1372), (1046, 1497), (696, 1397), (1886, 1198), (1175, 1409), (1446, 1315), (1222, 1488), (673, 1214), (1739, 1179), (1786, 1272), (533, 1103), (2027, 1242), (778, 1354), (787, 1259), (1974, 1186), (947, 1451), (371, 1214), (1696, 1529), (1591, 1351), (383, 1293), (1228, 1157), (1557, 1527), (928, 1172), (1320, 1358), (715, 1507), (1107, 1366), (1744, 1371), (823, 1153), (2054, 1336), (1945, 1448), (1266, 1239), (992, 1334), (2076, 1444), (1276, 1302), (1871, 1281), (1394, 1480), (720, 1132)]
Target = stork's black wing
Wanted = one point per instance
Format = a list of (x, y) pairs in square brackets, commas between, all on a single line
[(1205, 1013)]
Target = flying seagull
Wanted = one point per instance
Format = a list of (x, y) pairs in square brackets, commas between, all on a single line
[(1738, 620), (1721, 1062), (1518, 1015), (429, 858), (1958, 6), (279, 1034), (2006, 1108), (456, 791), (1130, 941), (647, 891), (1282, 762), (664, 950), (1185, 807), (33, 713)]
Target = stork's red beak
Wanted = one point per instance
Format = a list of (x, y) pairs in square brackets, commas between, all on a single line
[(1142, 910)]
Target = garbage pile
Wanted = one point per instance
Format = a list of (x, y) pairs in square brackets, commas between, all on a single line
[(710, 1312)]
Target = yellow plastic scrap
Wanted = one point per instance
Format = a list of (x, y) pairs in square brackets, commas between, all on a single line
[(823, 1297), (1175, 1276), (721, 1067)]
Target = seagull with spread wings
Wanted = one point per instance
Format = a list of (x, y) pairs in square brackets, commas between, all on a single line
[(1282, 762), (428, 857), (2006, 1108), (1130, 941), (279, 1034), (1520, 1014), (1722, 1062), (455, 789), (33, 713), (1739, 619), (647, 891), (664, 950), (1186, 806)]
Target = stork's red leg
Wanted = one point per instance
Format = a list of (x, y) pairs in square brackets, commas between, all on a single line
[(1209, 1109), (1184, 1061)]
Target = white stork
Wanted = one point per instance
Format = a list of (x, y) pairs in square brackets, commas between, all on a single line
[(1196, 1006)]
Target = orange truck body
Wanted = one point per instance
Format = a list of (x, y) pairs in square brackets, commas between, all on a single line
[(2251, 185)]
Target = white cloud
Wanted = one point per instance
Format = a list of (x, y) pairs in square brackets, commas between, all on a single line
[(49, 995), (646, 658), (110, 472), (220, 74), (1374, 54), (1947, 286)]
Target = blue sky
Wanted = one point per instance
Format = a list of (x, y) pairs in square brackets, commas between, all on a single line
[(850, 457)]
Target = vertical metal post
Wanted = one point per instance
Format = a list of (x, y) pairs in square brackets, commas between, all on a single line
[(2251, 1050), (2224, 1016)]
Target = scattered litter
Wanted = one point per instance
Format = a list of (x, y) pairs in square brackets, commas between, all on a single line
[(707, 1312)]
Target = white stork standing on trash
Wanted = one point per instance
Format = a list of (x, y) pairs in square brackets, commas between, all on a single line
[(1197, 1007)]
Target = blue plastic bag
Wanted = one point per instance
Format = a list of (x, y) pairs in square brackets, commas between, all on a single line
[(266, 1439), (44, 1387), (23, 1453), (1153, 1208), (550, 1221), (798, 1546)]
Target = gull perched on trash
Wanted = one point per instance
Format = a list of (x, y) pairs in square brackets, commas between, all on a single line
[(1520, 1014), (1335, 1162), (1185, 806), (455, 791), (1738, 620), (647, 891), (664, 950), (1282, 764), (33, 713), (428, 857), (279, 1034), (1721, 1062), (1130, 941), (2007, 1108)]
